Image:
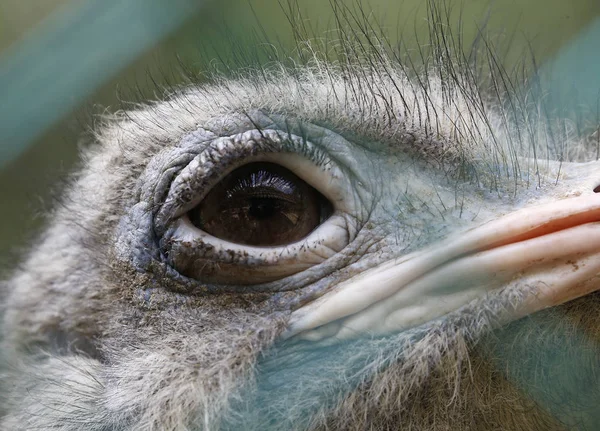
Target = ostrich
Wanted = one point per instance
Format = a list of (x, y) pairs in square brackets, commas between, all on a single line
[(359, 243)]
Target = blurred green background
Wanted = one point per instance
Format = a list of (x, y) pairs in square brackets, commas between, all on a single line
[(28, 182)]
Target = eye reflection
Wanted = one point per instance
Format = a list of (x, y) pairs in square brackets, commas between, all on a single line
[(261, 204)]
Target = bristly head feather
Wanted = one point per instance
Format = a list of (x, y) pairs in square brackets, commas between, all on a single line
[(91, 342)]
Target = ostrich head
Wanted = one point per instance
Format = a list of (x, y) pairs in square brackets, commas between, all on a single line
[(351, 244)]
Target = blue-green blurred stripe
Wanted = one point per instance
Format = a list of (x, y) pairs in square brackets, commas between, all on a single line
[(73, 52)]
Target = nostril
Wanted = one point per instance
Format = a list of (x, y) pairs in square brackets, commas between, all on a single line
[(597, 189)]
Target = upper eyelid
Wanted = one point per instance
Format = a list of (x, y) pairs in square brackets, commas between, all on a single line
[(212, 161), (334, 143)]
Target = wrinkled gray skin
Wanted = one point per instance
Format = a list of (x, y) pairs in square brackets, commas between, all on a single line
[(114, 322)]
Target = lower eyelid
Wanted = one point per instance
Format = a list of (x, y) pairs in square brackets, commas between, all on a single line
[(199, 255)]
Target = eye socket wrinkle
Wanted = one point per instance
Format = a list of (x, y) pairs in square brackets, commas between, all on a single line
[(219, 254)]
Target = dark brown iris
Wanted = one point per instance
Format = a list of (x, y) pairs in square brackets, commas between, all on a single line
[(261, 204)]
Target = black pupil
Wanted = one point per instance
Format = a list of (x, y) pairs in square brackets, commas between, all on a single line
[(261, 208), (261, 204)]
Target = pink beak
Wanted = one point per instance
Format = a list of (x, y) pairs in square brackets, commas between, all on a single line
[(553, 248)]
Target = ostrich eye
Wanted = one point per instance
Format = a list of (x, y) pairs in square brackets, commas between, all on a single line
[(257, 206), (261, 204)]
